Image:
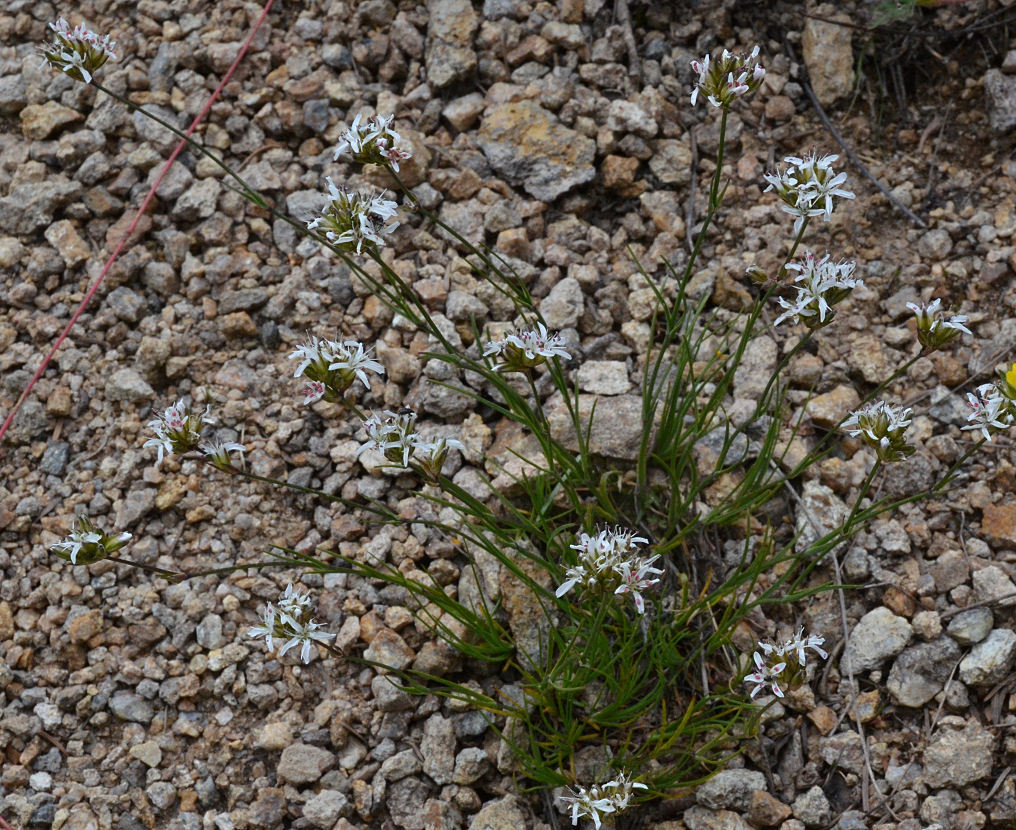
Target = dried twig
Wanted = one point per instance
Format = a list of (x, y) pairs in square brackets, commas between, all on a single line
[(623, 18), (857, 162)]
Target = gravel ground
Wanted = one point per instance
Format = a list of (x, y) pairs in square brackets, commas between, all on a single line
[(563, 138)]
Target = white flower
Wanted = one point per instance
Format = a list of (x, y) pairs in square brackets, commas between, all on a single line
[(800, 643), (820, 285), (217, 452), (177, 430), (352, 219), (527, 348), (610, 561), (595, 803), (289, 622), (765, 675), (374, 143), (78, 51), (331, 366), (807, 186), (882, 426), (727, 79), (934, 329), (89, 542), (391, 433), (990, 411), (635, 579)]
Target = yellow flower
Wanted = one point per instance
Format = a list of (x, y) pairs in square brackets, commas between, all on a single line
[(1010, 376)]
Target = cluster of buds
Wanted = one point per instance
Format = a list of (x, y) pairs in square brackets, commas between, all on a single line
[(935, 329), (289, 620), (86, 543), (821, 284), (352, 220), (882, 427), (782, 667), (609, 562), (733, 76), (394, 435), (330, 368), (374, 142), (525, 349), (178, 430), (993, 407), (807, 187), (77, 52), (598, 802)]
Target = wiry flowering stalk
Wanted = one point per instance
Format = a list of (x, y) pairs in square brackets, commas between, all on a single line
[(525, 349), (394, 434), (290, 621), (821, 284), (733, 76), (78, 52), (177, 430), (330, 368), (807, 187), (352, 219), (598, 802), (783, 666), (882, 427), (88, 543), (374, 142), (610, 562), (990, 410), (935, 329)]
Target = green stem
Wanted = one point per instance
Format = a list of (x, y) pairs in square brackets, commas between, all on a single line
[(865, 486)]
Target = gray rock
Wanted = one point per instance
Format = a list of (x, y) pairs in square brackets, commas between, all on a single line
[(959, 754), (563, 305), (13, 94), (702, 818), (244, 299), (844, 750), (603, 377), (920, 673), (935, 244), (879, 635), (131, 706), (528, 146), (29, 206), (504, 814), (671, 161), (405, 801), (54, 458), (449, 56), (471, 764), (1001, 93), (324, 809), (756, 367), (304, 764), (401, 764), (617, 427), (389, 649), (465, 218), (126, 304), (628, 117), (823, 512), (149, 130), (812, 808), (198, 201), (128, 385), (972, 626), (389, 696), (162, 794), (209, 632), (731, 789), (991, 584), (989, 662), (853, 820), (438, 749)]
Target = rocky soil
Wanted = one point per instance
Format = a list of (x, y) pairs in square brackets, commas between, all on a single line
[(562, 136)]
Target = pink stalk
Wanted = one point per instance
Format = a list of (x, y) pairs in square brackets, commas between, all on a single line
[(127, 234)]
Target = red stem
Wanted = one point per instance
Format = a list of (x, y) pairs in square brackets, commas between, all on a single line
[(123, 240)]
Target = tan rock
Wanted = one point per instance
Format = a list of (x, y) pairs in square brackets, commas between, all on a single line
[(767, 811), (830, 409), (828, 53), (998, 524), (65, 238), (40, 121)]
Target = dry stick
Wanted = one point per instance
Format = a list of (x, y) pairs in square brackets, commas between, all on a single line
[(857, 162), (4, 825), (623, 18), (130, 230)]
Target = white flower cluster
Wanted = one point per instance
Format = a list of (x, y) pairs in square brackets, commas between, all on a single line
[(89, 543), (331, 367), (783, 663), (934, 328), (178, 430), (289, 621), (352, 219), (990, 410), (374, 142), (610, 561), (394, 434), (595, 803), (807, 187), (731, 77), (525, 349), (78, 51), (882, 427), (821, 284)]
